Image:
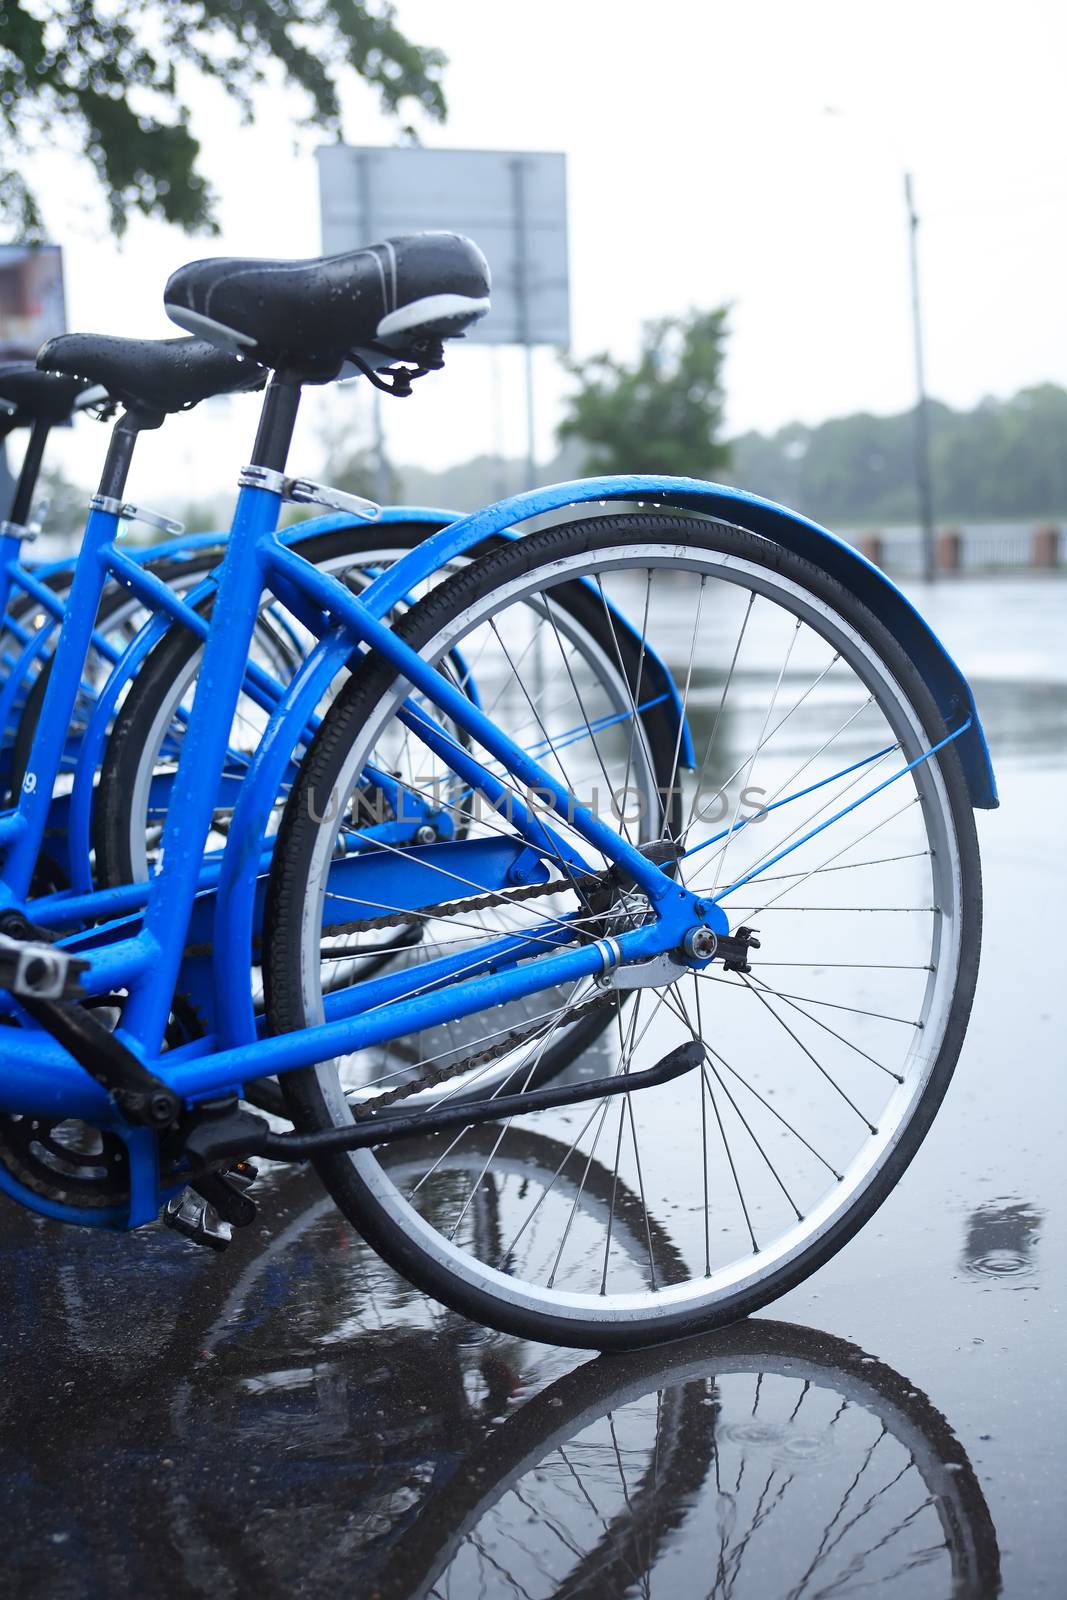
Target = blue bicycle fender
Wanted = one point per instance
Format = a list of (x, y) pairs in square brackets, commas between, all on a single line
[(825, 550)]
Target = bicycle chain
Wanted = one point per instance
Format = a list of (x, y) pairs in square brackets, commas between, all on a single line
[(437, 1075), (517, 1036), (451, 908)]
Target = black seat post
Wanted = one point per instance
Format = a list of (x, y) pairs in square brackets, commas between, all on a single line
[(26, 488), (120, 450), (277, 419)]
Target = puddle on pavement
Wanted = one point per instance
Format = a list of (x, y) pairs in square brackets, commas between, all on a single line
[(300, 1414)]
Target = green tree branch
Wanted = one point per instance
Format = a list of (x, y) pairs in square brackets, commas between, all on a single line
[(107, 70)]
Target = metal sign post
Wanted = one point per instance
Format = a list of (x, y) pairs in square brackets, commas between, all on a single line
[(513, 204), (522, 300)]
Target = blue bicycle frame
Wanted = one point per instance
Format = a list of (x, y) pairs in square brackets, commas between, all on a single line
[(49, 608), (35, 1071), (72, 815), (145, 956)]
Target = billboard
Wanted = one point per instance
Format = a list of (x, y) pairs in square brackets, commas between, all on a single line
[(512, 203), (32, 307)]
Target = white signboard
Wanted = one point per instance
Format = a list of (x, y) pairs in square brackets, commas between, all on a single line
[(31, 299), (513, 204)]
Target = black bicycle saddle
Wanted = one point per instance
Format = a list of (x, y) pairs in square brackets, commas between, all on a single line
[(305, 317), (150, 375), (28, 396)]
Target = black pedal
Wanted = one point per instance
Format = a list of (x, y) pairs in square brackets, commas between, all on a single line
[(195, 1218), (209, 1209), (227, 1193), (38, 971)]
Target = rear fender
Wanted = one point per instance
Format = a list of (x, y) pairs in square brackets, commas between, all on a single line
[(566, 501)]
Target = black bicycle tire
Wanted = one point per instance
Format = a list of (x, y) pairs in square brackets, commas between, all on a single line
[(288, 888)]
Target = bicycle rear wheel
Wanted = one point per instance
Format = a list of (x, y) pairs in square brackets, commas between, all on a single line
[(823, 1066)]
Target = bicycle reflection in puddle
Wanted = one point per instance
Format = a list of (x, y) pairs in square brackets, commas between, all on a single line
[(304, 1421)]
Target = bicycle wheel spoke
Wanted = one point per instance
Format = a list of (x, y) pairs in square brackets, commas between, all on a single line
[(837, 854), (713, 735), (819, 1023), (729, 1156), (575, 1203), (782, 994), (772, 1169), (813, 1059), (751, 760), (632, 694), (862, 769), (546, 737), (584, 715), (851, 866), (625, 1058), (479, 1180), (688, 685), (776, 1113)]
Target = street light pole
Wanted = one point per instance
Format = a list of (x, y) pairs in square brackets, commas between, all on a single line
[(922, 422)]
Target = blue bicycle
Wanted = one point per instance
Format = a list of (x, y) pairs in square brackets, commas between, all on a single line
[(733, 834), (121, 754)]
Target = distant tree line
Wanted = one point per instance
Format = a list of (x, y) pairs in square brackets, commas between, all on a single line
[(1006, 459), (664, 411)]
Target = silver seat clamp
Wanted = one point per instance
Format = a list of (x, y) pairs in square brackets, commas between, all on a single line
[(18, 530), (304, 492), (130, 513), (27, 531)]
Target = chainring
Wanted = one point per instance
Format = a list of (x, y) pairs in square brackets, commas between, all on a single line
[(71, 1162), (64, 1160)]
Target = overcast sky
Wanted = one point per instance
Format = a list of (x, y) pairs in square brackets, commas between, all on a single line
[(717, 152)]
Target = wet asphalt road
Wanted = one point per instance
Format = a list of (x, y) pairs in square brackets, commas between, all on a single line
[(293, 1419)]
